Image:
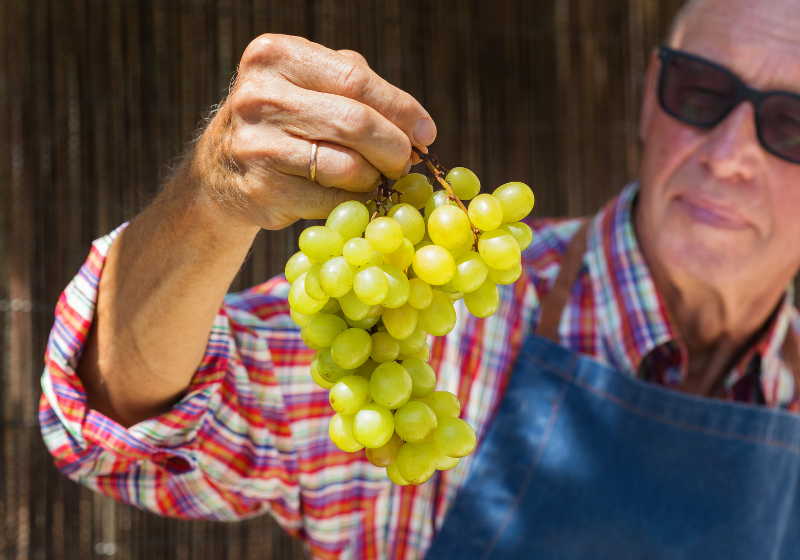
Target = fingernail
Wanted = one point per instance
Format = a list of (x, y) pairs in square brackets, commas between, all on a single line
[(407, 168), (424, 132)]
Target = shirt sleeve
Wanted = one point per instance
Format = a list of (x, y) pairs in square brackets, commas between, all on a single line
[(224, 452)]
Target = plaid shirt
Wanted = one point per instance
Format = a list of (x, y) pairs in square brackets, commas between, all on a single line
[(251, 434)]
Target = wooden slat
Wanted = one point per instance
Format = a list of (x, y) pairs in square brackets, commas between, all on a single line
[(97, 98)]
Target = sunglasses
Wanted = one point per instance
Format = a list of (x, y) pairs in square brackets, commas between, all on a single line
[(700, 93)]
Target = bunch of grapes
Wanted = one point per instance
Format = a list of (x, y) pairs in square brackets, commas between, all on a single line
[(371, 284)]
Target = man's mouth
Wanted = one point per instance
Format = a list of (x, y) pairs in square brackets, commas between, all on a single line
[(704, 211)]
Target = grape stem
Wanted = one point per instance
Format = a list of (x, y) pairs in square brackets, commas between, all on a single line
[(440, 172), (385, 193)]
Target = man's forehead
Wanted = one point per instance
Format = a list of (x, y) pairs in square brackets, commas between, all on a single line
[(757, 39)]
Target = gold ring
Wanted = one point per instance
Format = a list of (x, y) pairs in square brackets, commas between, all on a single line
[(312, 165)]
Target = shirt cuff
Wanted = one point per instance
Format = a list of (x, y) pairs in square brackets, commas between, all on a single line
[(85, 442)]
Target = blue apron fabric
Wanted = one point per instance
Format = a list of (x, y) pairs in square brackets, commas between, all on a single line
[(582, 461)]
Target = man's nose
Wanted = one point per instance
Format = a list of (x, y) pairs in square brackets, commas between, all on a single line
[(732, 149)]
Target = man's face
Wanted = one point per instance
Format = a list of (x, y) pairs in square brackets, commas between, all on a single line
[(714, 206)]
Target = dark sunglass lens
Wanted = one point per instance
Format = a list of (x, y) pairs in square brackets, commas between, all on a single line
[(695, 91), (780, 125)]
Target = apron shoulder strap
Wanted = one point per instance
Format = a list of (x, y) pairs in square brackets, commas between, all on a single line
[(792, 356), (555, 301)]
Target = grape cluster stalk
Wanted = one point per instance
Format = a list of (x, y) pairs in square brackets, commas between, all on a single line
[(369, 286)]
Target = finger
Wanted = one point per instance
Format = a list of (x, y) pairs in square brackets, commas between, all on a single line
[(293, 198), (314, 67), (336, 166), (320, 116), (356, 56)]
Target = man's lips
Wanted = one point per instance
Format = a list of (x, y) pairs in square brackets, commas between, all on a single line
[(711, 214)]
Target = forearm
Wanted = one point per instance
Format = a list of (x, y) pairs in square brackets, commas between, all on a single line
[(161, 288)]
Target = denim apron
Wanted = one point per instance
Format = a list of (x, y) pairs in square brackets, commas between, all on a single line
[(584, 462)]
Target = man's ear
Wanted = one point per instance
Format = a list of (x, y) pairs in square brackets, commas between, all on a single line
[(649, 97)]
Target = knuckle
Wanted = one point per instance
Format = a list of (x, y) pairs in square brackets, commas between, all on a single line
[(356, 121), (266, 49), (354, 80)]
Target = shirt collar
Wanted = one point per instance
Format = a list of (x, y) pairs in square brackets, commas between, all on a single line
[(632, 319)]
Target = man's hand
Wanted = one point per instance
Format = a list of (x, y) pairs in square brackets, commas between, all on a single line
[(255, 154), (165, 277)]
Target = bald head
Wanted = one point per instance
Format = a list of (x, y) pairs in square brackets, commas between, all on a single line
[(694, 15)]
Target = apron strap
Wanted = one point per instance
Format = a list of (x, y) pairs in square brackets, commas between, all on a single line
[(792, 356), (555, 301)]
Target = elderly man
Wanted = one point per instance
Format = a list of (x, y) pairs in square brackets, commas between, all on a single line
[(634, 395)]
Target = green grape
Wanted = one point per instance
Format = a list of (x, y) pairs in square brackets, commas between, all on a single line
[(443, 462), (420, 293), (313, 288), (366, 323), (394, 475), (328, 369), (465, 183), (384, 234), (439, 317), (415, 422), (384, 347), (437, 199), (400, 322), (424, 354), (416, 462), (323, 329), (434, 265), (350, 219), (485, 212), (352, 307), (336, 277), (499, 249), (373, 426), (452, 294), (351, 348), (375, 311), (483, 301), (375, 260), (297, 265), (321, 243), (316, 376), (300, 301), (390, 385), (415, 189), (357, 251), (410, 220), (331, 307), (465, 248), (423, 378), (340, 431), (349, 394), (301, 319), (371, 285), (470, 273), (521, 232), (423, 243), (386, 454), (402, 257), (308, 342), (365, 370), (504, 277), (398, 287), (449, 227), (454, 437), (517, 200), (414, 342), (444, 404)]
